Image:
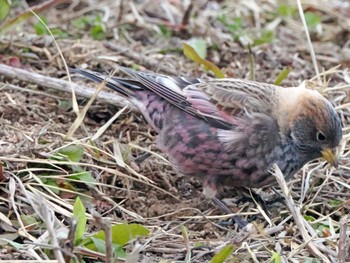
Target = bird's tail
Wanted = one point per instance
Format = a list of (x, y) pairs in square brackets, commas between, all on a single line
[(125, 87), (152, 106)]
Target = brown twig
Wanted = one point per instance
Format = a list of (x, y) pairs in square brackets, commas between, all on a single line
[(186, 18), (60, 84), (68, 243), (344, 243), (105, 225), (121, 11), (90, 253)]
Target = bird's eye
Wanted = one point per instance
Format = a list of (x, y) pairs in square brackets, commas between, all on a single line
[(320, 137)]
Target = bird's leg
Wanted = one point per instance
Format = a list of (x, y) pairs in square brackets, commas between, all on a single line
[(264, 204), (237, 219), (210, 191), (255, 196), (142, 157), (279, 198)]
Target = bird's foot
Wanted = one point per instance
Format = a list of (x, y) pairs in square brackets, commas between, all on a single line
[(236, 219), (278, 199), (142, 157), (253, 195), (210, 191), (265, 204)]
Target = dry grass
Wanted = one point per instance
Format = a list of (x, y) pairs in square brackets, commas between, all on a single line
[(37, 191)]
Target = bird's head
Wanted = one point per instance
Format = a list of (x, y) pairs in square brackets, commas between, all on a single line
[(312, 122)]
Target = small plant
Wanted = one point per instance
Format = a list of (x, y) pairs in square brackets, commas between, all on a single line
[(223, 254), (240, 33), (121, 233), (235, 27), (313, 19), (323, 228), (73, 153), (165, 31), (196, 50), (285, 10), (41, 29), (94, 23)]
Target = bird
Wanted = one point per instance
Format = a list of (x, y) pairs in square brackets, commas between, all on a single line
[(230, 132)]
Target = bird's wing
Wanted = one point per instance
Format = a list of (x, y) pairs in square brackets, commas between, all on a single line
[(220, 102)]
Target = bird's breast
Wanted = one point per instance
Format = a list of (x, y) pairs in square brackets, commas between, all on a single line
[(195, 149)]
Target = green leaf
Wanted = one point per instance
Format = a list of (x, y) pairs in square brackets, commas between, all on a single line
[(223, 254), (199, 45), (267, 36), (123, 233), (335, 202), (73, 152), (235, 27), (276, 258), (96, 24), (166, 32), (99, 244), (283, 75), (80, 217), (12, 243), (81, 22), (312, 19), (309, 218), (58, 32), (51, 182), (28, 220), (87, 242), (98, 32), (191, 54), (97, 20), (286, 10), (65, 104), (119, 251), (5, 7), (84, 177), (40, 28)]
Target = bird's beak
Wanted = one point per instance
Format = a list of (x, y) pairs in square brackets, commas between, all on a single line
[(330, 157)]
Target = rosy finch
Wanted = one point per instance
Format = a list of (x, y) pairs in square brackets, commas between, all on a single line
[(230, 132)]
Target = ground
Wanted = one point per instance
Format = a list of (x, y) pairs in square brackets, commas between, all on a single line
[(45, 166)]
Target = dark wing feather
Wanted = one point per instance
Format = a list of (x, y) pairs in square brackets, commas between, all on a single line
[(216, 101), (219, 102), (173, 93)]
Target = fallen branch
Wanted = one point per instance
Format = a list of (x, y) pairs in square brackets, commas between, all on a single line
[(60, 84)]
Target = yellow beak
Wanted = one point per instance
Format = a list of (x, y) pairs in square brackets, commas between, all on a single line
[(330, 157)]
